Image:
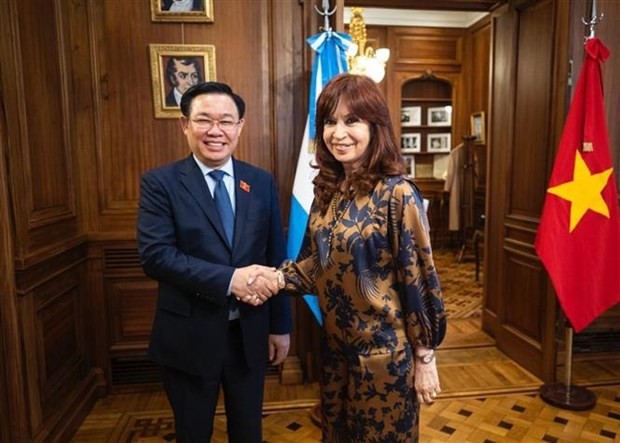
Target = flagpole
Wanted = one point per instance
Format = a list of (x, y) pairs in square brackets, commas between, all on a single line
[(566, 395)]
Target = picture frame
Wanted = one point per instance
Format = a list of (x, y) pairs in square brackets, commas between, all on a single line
[(182, 11), (411, 116), (174, 68), (439, 116), (439, 142), (478, 127), (410, 165), (411, 142)]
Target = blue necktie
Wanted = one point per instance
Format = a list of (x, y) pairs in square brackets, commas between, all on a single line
[(224, 207)]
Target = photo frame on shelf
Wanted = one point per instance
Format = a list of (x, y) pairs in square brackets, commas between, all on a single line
[(410, 164), (411, 143), (478, 127), (439, 142), (182, 11), (439, 116), (440, 166), (411, 116), (174, 69), (423, 170)]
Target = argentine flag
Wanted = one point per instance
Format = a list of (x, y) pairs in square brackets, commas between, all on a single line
[(330, 60)]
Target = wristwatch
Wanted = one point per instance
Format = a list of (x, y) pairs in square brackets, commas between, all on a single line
[(426, 358), (281, 281)]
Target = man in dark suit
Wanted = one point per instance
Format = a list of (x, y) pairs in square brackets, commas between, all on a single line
[(204, 336)]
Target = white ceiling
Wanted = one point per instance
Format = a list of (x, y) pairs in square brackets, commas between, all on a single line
[(412, 17)]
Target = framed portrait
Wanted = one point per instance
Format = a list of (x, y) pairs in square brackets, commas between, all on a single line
[(182, 11), (174, 69), (410, 143), (411, 116), (410, 164), (439, 116), (438, 142), (478, 127)]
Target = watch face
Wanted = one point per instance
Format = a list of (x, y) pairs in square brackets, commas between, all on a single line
[(427, 358)]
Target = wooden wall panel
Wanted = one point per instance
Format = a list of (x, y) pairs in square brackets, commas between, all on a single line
[(59, 382), (529, 70), (45, 153), (503, 63), (58, 339), (132, 307), (42, 298), (13, 423), (476, 71), (427, 46), (533, 102), (132, 141), (38, 130)]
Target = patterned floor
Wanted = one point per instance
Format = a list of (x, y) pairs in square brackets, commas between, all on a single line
[(462, 293), (488, 418), (513, 418)]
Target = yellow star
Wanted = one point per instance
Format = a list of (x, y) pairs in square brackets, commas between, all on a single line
[(584, 192)]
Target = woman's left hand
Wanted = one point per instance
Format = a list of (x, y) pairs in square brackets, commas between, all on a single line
[(426, 382)]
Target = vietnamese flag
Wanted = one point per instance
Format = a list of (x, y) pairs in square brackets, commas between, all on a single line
[(578, 238)]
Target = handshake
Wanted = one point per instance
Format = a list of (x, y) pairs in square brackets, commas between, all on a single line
[(256, 284)]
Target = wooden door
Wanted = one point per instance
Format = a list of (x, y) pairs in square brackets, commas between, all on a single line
[(528, 87)]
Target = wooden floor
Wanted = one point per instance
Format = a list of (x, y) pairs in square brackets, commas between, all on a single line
[(486, 397)]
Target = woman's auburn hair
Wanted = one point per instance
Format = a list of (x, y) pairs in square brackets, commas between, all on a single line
[(382, 158)]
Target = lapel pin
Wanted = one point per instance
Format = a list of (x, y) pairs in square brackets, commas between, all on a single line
[(243, 185)]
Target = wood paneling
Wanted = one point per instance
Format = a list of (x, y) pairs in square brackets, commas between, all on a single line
[(259, 60), (132, 304), (45, 154), (450, 5), (434, 48), (12, 401), (43, 289), (38, 127), (529, 70)]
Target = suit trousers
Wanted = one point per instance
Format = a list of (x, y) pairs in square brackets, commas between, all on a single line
[(194, 398)]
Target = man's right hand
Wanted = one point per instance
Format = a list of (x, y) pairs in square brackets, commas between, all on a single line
[(251, 289)]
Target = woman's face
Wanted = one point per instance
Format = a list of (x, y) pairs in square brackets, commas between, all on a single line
[(347, 137)]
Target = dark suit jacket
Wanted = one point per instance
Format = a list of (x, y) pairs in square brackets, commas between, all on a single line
[(183, 245), (170, 100)]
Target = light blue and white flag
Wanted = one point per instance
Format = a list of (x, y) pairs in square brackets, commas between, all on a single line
[(330, 60)]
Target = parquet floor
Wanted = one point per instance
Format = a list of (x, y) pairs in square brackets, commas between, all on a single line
[(486, 396)]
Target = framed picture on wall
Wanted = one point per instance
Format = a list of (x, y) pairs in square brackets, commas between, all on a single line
[(439, 116), (411, 116), (410, 164), (410, 142), (438, 142), (182, 10), (173, 70), (478, 127)]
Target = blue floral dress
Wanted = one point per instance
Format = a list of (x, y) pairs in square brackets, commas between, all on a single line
[(370, 263)]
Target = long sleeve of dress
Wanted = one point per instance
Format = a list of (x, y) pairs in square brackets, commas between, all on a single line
[(300, 274), (420, 293)]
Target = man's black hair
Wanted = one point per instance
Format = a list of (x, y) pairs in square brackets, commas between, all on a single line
[(210, 88)]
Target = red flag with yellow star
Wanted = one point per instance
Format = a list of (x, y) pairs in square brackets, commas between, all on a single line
[(578, 238)]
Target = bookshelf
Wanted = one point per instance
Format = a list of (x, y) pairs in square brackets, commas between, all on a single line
[(426, 127)]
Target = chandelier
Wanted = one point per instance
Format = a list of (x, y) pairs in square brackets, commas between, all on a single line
[(362, 60)]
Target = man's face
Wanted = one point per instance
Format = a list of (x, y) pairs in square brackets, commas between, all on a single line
[(211, 144), (184, 76)]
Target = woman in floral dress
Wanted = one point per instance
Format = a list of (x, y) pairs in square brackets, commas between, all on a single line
[(367, 255)]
